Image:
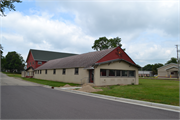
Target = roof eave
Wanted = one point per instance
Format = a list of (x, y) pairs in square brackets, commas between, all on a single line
[(115, 60)]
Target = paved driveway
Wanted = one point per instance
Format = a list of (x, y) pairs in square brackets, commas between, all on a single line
[(29, 101), (10, 81)]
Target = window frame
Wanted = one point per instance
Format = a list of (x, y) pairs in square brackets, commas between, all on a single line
[(132, 71), (112, 75), (101, 75), (54, 71), (120, 73), (39, 62), (127, 73), (63, 71), (76, 70)]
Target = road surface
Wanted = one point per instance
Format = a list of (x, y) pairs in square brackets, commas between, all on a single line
[(25, 100)]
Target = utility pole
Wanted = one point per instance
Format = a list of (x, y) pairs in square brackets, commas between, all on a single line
[(178, 60)]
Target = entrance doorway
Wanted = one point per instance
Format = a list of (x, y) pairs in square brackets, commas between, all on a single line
[(91, 76)]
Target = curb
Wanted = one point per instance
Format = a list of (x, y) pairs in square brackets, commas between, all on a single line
[(171, 107)]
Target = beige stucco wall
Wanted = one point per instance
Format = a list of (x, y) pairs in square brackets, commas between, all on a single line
[(83, 76), (23, 74), (69, 77), (27, 73), (103, 80)]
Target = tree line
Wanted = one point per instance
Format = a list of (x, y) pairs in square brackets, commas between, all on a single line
[(153, 67), (13, 62)]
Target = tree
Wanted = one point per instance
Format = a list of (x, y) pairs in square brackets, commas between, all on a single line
[(8, 4), (14, 62), (155, 66), (1, 48), (1, 52), (172, 60), (147, 67), (104, 43)]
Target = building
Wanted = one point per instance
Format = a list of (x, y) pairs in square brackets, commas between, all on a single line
[(37, 58), (168, 71), (145, 73), (106, 67)]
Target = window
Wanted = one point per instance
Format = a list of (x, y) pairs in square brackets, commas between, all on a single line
[(39, 62), (102, 72), (124, 73), (45, 71), (76, 71), (118, 73), (30, 63), (64, 71), (33, 63), (54, 71), (111, 72), (40, 71), (131, 73), (172, 73)]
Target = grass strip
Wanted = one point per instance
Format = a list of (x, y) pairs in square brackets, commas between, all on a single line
[(40, 81), (158, 91)]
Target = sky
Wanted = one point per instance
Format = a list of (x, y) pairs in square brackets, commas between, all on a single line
[(149, 30)]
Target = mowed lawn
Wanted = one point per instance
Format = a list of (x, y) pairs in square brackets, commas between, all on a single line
[(153, 90)]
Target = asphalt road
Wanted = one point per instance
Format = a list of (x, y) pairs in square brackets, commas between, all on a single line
[(36, 102)]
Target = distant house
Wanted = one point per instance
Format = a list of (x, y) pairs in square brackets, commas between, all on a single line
[(106, 67), (37, 58), (145, 73), (168, 71)]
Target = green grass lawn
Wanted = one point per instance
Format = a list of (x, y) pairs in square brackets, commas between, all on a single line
[(153, 90), (159, 91), (40, 81)]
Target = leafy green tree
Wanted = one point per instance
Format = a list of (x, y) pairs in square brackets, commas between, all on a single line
[(172, 60), (7, 4), (155, 66), (104, 43), (101, 44), (1, 52), (1, 48), (147, 67), (14, 62)]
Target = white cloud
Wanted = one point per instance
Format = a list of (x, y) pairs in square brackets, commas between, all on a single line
[(106, 17), (42, 33)]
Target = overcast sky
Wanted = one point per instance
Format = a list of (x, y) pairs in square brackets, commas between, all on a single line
[(149, 30)]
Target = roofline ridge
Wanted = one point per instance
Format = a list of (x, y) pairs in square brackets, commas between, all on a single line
[(82, 54), (53, 51), (167, 64)]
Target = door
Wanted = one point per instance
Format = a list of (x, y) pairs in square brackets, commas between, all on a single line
[(91, 76)]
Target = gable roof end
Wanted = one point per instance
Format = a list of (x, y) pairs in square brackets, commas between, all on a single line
[(42, 55)]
